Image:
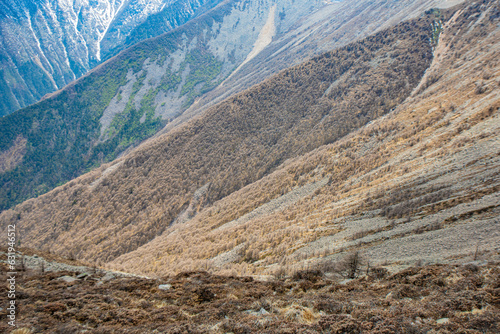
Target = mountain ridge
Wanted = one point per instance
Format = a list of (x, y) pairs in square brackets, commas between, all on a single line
[(271, 116), (58, 41)]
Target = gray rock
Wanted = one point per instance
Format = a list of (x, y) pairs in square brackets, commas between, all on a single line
[(344, 282), (108, 276), (443, 321), (263, 311), (260, 312), (67, 279), (165, 286), (82, 275)]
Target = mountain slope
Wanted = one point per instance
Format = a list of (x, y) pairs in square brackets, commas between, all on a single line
[(44, 45), (173, 14), (119, 103), (133, 95), (335, 25), (235, 143), (418, 185)]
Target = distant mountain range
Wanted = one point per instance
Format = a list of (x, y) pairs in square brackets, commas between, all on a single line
[(46, 44)]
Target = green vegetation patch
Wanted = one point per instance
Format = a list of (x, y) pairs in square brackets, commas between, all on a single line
[(204, 68)]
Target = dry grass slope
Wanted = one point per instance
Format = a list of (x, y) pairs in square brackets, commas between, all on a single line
[(420, 184), (232, 145)]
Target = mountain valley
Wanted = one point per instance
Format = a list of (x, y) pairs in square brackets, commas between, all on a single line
[(171, 78), (301, 177), (261, 156)]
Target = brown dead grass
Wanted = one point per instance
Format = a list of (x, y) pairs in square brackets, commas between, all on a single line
[(410, 301)]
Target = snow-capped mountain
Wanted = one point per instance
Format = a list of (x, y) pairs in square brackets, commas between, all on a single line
[(45, 44)]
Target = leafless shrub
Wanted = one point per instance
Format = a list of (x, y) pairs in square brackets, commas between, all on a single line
[(328, 305), (360, 234), (378, 273), (471, 267), (487, 75), (309, 275), (350, 266), (481, 88), (23, 265), (476, 253), (408, 204), (280, 272)]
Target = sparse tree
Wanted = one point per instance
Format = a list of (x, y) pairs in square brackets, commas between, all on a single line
[(350, 266), (476, 253), (23, 266), (353, 264)]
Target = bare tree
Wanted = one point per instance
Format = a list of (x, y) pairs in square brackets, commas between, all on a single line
[(353, 263), (476, 253), (350, 266), (23, 265)]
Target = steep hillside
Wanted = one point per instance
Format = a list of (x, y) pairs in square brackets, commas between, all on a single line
[(161, 186), (44, 45), (122, 34), (429, 299), (420, 184), (336, 24), (417, 185), (123, 101), (132, 96)]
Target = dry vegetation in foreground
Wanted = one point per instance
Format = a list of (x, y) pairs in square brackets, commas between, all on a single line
[(430, 299)]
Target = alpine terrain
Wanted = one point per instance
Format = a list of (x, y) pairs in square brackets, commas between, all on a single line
[(164, 81), (45, 45), (267, 167)]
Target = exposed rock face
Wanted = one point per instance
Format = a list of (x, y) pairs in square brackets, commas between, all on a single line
[(44, 45)]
